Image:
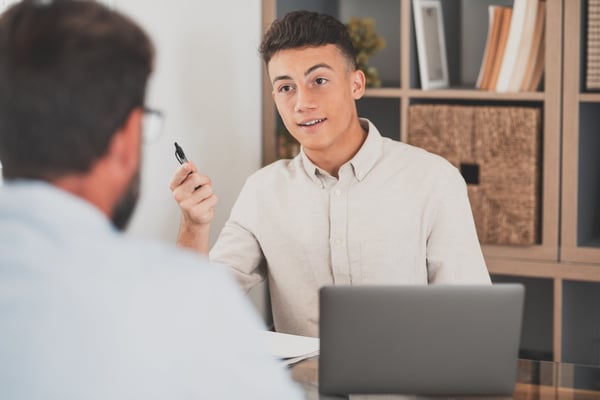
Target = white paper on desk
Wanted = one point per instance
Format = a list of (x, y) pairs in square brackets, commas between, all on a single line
[(291, 348)]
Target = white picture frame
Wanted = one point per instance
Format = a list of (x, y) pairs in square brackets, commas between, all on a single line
[(431, 44)]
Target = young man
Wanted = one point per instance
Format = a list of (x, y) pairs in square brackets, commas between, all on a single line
[(85, 312), (351, 208)]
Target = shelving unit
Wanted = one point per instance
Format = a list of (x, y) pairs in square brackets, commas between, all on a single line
[(568, 252), (581, 142)]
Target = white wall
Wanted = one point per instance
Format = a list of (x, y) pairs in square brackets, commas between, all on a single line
[(207, 81)]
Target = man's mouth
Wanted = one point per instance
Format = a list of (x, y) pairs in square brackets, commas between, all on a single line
[(312, 122)]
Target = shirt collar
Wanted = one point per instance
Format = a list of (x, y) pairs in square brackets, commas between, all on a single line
[(362, 162), (369, 153), (313, 172)]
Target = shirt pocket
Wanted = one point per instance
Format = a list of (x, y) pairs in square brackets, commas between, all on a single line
[(387, 262)]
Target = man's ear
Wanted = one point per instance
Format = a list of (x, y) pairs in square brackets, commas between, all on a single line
[(125, 146), (359, 82)]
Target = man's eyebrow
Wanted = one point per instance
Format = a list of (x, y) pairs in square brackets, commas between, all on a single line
[(281, 78), (308, 71), (317, 66)]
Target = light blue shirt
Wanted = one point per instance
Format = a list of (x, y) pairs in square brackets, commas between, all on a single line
[(87, 313)]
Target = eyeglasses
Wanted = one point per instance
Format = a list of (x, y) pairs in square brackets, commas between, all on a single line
[(152, 124)]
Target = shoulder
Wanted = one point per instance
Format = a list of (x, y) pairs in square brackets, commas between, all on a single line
[(278, 172), (418, 160), (173, 282), (164, 256), (151, 264)]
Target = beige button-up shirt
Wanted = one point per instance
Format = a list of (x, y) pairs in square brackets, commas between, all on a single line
[(396, 215)]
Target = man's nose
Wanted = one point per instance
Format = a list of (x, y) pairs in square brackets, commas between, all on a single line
[(305, 99)]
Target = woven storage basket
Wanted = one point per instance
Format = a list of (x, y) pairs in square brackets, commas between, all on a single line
[(498, 151)]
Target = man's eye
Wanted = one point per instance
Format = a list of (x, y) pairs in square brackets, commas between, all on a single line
[(320, 81), (284, 88)]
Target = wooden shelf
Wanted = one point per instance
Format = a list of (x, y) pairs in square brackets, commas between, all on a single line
[(474, 94), (579, 146), (547, 270), (385, 92), (455, 93), (589, 97)]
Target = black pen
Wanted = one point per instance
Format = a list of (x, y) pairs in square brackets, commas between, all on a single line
[(179, 154)]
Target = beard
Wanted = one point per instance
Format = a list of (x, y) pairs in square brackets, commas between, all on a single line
[(125, 207)]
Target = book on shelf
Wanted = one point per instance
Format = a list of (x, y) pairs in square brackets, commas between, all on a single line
[(505, 22), (525, 47), (509, 57), (514, 52), (535, 64), (491, 45), (538, 71)]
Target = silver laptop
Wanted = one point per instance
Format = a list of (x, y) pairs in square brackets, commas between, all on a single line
[(424, 340)]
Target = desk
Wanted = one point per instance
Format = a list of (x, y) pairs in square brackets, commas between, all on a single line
[(536, 380)]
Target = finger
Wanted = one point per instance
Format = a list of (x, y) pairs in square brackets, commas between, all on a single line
[(181, 174), (202, 193), (197, 198), (202, 212), (194, 182), (194, 190)]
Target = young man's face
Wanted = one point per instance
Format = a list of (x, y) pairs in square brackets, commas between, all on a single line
[(315, 89)]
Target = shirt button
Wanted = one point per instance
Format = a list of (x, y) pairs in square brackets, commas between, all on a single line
[(338, 192), (338, 242)]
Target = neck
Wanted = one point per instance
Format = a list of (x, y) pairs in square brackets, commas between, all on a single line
[(94, 186), (338, 153), (79, 186)]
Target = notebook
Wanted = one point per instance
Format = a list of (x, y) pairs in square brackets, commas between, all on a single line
[(423, 340)]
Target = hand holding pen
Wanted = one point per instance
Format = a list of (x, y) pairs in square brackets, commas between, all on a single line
[(180, 156), (193, 193)]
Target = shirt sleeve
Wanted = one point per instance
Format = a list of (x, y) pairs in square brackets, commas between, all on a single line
[(453, 251), (237, 246)]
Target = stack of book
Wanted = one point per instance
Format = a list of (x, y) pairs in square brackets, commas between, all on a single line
[(513, 59)]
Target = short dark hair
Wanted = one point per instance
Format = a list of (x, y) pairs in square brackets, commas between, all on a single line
[(71, 72), (303, 28)]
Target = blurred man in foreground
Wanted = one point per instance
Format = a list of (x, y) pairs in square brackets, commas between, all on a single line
[(86, 313)]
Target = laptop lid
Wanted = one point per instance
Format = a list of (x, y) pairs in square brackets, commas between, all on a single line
[(425, 340)]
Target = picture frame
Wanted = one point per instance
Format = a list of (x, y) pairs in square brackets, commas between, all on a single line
[(431, 44)]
